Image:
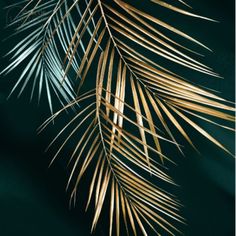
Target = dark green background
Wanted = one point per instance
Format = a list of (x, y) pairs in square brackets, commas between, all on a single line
[(33, 200)]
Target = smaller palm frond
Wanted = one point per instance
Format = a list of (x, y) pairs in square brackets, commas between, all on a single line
[(119, 160), (40, 50), (132, 102)]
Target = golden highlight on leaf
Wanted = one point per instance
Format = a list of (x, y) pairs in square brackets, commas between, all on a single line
[(107, 61)]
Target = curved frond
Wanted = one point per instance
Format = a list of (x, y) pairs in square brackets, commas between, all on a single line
[(134, 103)]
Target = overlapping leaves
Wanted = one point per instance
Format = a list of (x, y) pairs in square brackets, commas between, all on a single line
[(126, 116)]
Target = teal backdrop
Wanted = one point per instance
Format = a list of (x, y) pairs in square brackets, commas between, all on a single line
[(33, 200)]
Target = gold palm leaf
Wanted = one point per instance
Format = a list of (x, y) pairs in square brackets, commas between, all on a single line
[(128, 108)]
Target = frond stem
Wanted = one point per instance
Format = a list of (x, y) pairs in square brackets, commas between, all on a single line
[(119, 52), (108, 159), (99, 121)]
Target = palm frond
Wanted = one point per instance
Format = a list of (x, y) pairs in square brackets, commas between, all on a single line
[(133, 102), (114, 151)]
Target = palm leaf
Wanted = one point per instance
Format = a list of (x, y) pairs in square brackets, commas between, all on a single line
[(122, 135)]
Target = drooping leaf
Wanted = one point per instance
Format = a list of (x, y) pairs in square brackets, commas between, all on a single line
[(134, 103)]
